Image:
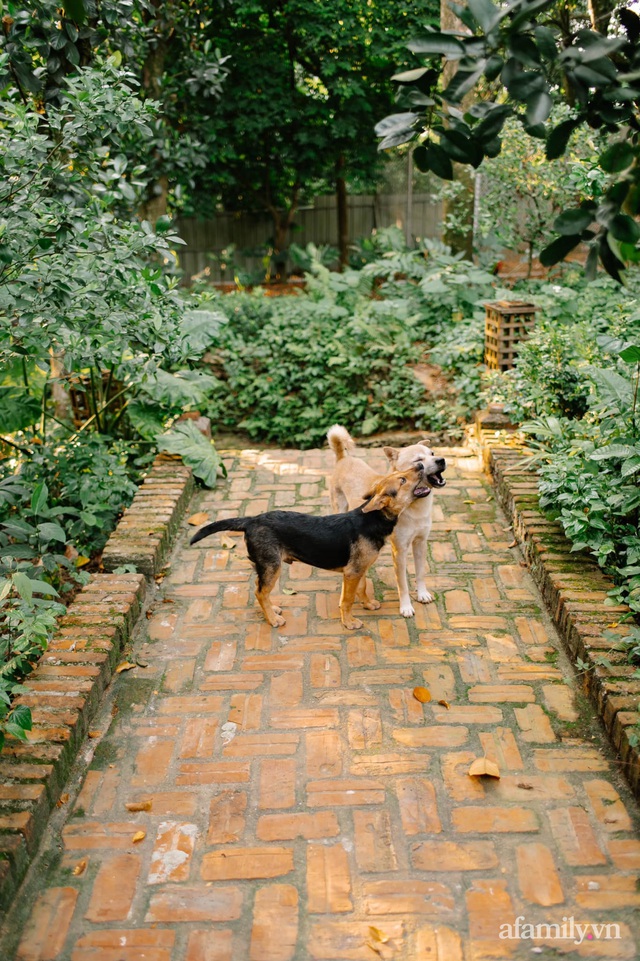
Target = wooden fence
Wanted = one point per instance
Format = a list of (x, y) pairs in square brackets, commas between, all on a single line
[(248, 232)]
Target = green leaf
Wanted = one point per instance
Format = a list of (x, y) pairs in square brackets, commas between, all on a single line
[(431, 157), (442, 44), (573, 221), (196, 451), (75, 10), (410, 76), (538, 107), (43, 587), (625, 229), (200, 329), (614, 450), (617, 157), (146, 418), (23, 586), (631, 355), (485, 13), (558, 249), (18, 409), (21, 715), (52, 532), (559, 137), (39, 498)]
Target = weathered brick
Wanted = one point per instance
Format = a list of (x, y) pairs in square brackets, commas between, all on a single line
[(328, 879), (275, 923)]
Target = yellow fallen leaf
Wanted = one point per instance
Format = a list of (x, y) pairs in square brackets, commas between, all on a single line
[(467, 502), (93, 734), (288, 590), (62, 800), (483, 766), (125, 666), (227, 542), (139, 806), (139, 836), (421, 694), (444, 704), (80, 560), (513, 544), (378, 935), (80, 868), (197, 519)]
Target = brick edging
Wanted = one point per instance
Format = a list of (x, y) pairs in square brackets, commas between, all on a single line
[(66, 686), (63, 694), (574, 589), (145, 533)]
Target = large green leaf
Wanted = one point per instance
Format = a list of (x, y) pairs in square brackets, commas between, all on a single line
[(182, 389), (196, 450), (558, 249), (200, 329), (573, 221), (559, 137), (631, 354), (146, 418), (617, 157), (438, 43), (18, 409)]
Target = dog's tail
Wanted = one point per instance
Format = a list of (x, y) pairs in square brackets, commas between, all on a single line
[(229, 524), (340, 441)]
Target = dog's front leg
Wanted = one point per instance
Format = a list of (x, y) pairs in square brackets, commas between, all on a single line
[(420, 561), (400, 554), (350, 584)]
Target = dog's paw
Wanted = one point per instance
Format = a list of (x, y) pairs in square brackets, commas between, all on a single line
[(278, 621), (425, 597), (372, 605), (353, 625), (277, 610), (406, 609)]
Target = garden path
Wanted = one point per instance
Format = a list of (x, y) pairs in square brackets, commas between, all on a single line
[(297, 801)]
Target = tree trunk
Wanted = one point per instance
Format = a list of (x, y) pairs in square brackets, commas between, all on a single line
[(343, 213), (459, 210), (155, 205)]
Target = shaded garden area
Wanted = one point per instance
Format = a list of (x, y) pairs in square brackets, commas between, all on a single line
[(114, 119)]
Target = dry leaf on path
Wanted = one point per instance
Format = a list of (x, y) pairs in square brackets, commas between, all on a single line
[(197, 519), (483, 766), (288, 590), (421, 694), (513, 544), (139, 806), (93, 734), (139, 836), (378, 935), (445, 704), (125, 666), (227, 542), (62, 800), (80, 868)]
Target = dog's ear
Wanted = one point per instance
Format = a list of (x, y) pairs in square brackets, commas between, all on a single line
[(377, 501), (391, 453)]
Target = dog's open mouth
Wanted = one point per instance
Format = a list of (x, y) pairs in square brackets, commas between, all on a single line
[(421, 490), (436, 480)]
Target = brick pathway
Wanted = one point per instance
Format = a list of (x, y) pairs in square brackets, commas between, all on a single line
[(269, 794)]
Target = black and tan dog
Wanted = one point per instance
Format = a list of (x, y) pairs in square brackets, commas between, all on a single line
[(347, 542)]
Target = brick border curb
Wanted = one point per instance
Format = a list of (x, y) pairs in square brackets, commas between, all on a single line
[(145, 533), (574, 589), (65, 689)]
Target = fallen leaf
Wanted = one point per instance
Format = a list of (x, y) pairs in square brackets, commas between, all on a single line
[(197, 519), (421, 694), (288, 590), (505, 529), (93, 734), (513, 544), (80, 868), (81, 560), (524, 786), (482, 766), (378, 935), (467, 502), (138, 806), (125, 666), (227, 542), (445, 704), (168, 600), (139, 836), (141, 663), (62, 800), (615, 624)]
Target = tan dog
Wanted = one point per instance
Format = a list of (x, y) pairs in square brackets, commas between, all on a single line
[(351, 481)]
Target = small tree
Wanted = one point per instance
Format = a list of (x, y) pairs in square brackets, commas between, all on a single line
[(517, 60)]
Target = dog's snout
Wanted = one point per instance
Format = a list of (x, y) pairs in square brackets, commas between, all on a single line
[(441, 463)]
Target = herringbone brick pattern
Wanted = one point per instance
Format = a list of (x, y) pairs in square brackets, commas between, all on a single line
[(280, 794)]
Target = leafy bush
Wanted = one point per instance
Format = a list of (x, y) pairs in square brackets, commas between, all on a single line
[(344, 349)]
